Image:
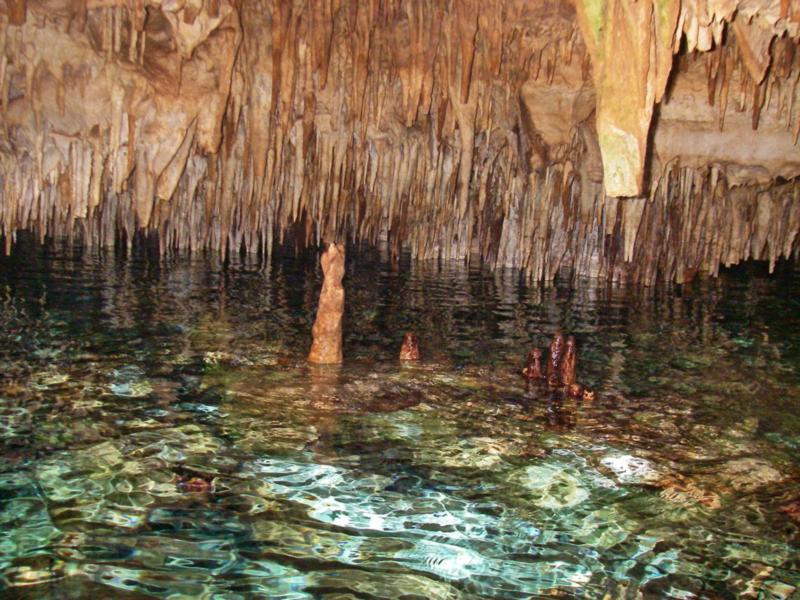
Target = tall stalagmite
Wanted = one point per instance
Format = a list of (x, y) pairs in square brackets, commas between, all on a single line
[(602, 138), (327, 330)]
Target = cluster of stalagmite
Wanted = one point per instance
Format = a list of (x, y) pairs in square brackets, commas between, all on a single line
[(626, 140)]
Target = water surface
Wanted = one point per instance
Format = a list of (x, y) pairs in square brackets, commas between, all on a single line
[(127, 383)]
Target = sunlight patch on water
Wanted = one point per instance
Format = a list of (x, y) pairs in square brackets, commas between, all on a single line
[(630, 469), (448, 536)]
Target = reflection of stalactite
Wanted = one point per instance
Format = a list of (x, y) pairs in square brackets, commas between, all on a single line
[(232, 126)]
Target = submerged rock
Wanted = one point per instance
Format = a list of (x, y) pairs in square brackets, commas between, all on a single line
[(553, 487), (195, 484), (749, 474), (791, 509), (129, 381), (48, 379), (229, 359), (681, 491)]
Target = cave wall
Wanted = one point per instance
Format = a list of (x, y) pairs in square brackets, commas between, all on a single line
[(662, 146)]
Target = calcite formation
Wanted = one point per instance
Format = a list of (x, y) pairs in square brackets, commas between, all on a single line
[(554, 360), (409, 350), (533, 365), (326, 347), (633, 141), (569, 362)]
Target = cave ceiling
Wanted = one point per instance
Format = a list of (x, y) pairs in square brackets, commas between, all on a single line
[(633, 141)]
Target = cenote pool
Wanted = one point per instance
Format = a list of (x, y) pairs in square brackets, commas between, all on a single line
[(124, 380)]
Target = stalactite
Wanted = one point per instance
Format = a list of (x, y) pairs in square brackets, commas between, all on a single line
[(631, 47), (449, 129)]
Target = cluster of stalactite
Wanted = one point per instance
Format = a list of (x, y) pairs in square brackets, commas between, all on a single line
[(770, 82), (451, 129), (632, 46)]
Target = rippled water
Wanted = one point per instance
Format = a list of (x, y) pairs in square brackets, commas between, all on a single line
[(161, 435)]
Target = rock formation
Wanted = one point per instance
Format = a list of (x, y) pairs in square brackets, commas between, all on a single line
[(575, 390), (410, 348), (569, 362), (626, 140), (533, 366), (327, 330), (554, 360)]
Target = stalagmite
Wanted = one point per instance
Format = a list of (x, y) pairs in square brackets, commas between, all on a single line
[(569, 361), (554, 359), (533, 366), (575, 390), (327, 330), (410, 347)]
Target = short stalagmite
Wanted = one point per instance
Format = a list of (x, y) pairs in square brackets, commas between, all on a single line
[(554, 360), (533, 368), (410, 348), (327, 331), (569, 362), (575, 390)]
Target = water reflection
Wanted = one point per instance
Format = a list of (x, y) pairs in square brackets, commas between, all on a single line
[(161, 434)]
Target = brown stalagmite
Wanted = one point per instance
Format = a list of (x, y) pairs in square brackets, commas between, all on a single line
[(575, 390), (410, 348), (554, 360), (569, 362), (327, 331), (533, 366)]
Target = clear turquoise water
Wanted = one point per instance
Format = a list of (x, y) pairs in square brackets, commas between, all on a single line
[(446, 479)]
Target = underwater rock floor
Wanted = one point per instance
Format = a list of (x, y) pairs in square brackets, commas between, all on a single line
[(161, 435)]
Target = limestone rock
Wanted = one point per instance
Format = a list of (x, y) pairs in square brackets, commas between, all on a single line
[(410, 347), (749, 474), (327, 331), (502, 128)]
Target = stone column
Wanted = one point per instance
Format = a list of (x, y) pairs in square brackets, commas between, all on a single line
[(327, 331)]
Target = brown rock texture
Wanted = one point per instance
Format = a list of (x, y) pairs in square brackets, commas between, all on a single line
[(554, 359), (327, 330), (633, 141), (569, 362), (533, 365), (409, 350)]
